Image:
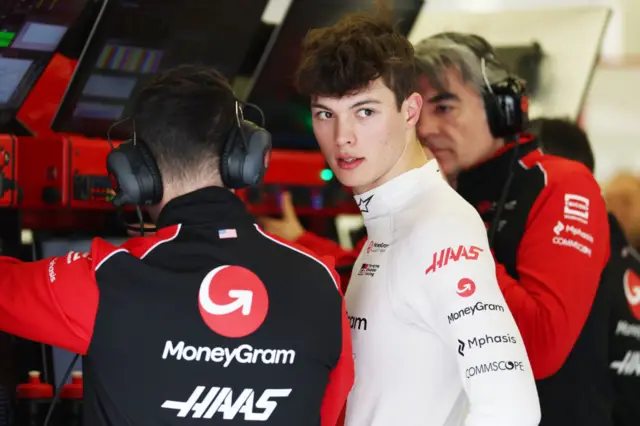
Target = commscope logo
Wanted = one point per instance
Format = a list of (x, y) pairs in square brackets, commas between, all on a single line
[(243, 354), (494, 366), (471, 310)]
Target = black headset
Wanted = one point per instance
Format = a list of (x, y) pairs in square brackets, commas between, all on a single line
[(136, 178), (506, 102)]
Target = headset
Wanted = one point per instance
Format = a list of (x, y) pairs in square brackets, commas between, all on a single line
[(505, 101), (506, 106), (136, 178)]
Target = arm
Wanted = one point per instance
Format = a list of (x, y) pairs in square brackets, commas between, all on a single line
[(326, 247), (52, 301), (474, 322), (560, 260), (340, 380)]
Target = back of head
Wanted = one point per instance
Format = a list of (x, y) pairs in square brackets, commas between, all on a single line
[(184, 116), (563, 138), (464, 52), (343, 59)]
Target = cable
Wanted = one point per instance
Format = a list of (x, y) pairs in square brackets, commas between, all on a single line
[(259, 110), (495, 223), (141, 220), (56, 396)]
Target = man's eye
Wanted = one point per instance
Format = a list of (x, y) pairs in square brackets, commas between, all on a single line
[(443, 109), (365, 112), (323, 115)]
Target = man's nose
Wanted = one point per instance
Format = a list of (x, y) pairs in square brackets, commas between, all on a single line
[(344, 134)]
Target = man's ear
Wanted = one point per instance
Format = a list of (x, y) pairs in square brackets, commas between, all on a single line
[(413, 106)]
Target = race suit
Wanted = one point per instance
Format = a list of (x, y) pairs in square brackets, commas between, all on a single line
[(433, 339)]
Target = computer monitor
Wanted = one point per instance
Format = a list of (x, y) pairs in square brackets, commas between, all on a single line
[(59, 247), (287, 114), (30, 32), (137, 38)]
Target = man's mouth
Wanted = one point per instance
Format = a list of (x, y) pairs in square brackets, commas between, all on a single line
[(349, 163)]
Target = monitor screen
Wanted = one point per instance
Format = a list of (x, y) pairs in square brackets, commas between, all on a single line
[(137, 38), (60, 247), (30, 32), (287, 114)]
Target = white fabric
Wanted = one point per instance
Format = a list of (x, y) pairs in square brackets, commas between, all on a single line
[(408, 318)]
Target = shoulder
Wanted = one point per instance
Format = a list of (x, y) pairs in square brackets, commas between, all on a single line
[(445, 219), (323, 264), (558, 172)]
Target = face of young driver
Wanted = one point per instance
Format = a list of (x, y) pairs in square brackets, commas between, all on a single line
[(363, 136), (453, 124)]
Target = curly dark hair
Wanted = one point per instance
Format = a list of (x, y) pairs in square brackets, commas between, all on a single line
[(345, 58)]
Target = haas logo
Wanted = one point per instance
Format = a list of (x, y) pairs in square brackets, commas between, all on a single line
[(450, 255), (632, 292), (233, 301)]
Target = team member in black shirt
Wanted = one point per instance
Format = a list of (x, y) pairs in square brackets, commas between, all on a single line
[(208, 320), (615, 315)]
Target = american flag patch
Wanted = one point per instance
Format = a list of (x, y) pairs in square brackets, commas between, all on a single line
[(227, 233)]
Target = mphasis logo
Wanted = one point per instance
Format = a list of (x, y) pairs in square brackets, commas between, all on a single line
[(243, 354), (480, 342), (451, 255), (367, 269), (629, 365), (493, 367), (221, 401), (568, 239), (473, 309)]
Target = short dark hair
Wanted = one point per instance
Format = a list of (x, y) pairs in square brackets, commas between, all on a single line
[(563, 138), (184, 115), (345, 58)]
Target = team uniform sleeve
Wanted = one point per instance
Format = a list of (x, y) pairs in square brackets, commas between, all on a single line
[(559, 262), (342, 375), (326, 247), (52, 301), (472, 319)]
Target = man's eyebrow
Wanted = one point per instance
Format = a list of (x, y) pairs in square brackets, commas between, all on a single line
[(445, 96), (319, 106), (365, 102)]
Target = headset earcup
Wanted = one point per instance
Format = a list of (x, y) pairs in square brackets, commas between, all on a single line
[(258, 153), (506, 108), (150, 177), (242, 167)]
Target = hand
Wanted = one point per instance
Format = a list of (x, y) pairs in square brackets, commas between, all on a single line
[(288, 227), (133, 230)]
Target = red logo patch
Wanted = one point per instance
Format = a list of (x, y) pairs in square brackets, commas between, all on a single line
[(233, 301), (632, 292), (466, 287)]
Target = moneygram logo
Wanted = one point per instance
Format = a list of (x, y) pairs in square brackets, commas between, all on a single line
[(233, 301), (494, 366), (473, 309), (632, 292), (466, 287), (373, 247), (243, 354), (222, 401)]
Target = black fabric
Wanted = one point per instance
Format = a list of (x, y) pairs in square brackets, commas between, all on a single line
[(624, 328), (146, 303)]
